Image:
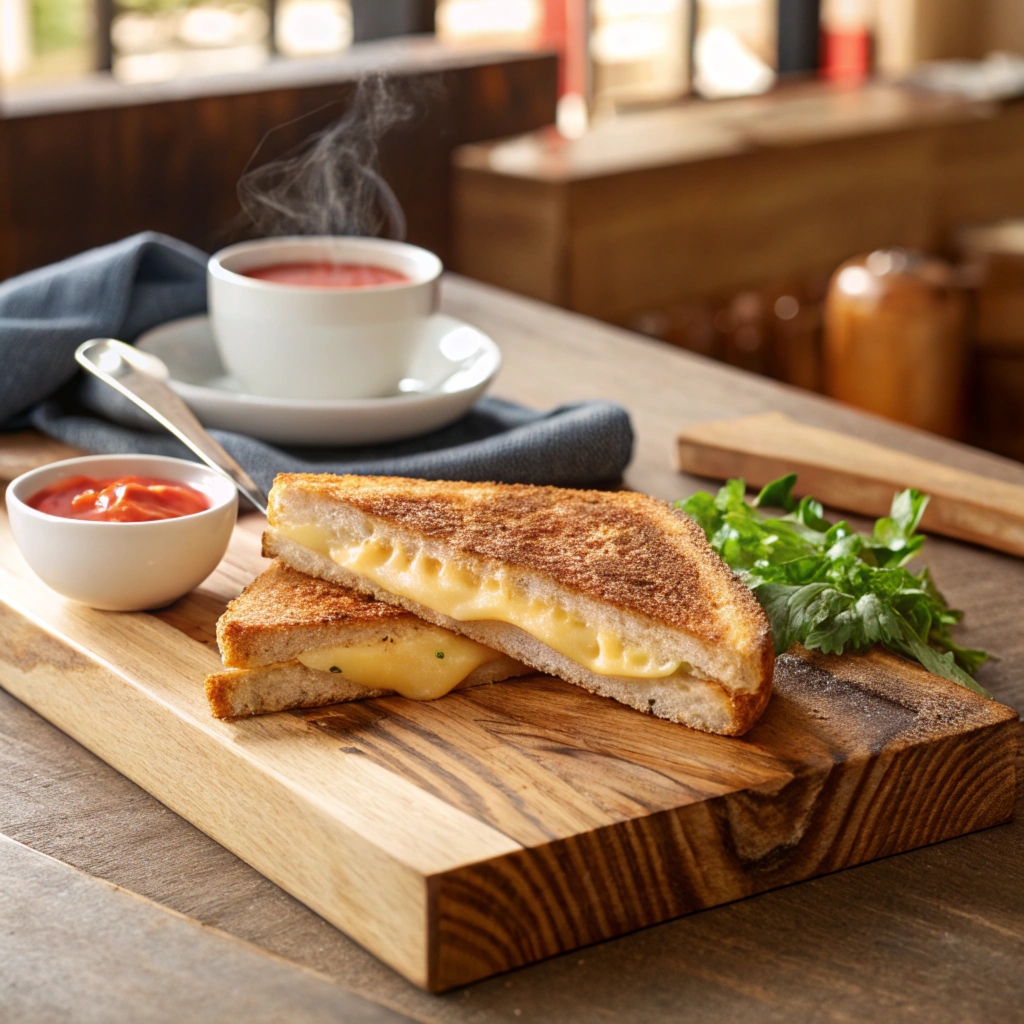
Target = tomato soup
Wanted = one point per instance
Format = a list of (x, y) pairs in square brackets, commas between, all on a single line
[(128, 499), (323, 274)]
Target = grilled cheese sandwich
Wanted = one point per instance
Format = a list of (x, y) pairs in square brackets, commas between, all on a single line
[(613, 591), (290, 640)]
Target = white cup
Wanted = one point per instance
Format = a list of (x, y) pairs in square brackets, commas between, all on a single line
[(300, 341)]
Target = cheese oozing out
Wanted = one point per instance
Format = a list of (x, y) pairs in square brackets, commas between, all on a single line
[(422, 665), (467, 596)]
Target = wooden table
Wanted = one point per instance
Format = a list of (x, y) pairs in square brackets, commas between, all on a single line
[(934, 935)]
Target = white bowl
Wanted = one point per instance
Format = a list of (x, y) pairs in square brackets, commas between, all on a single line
[(123, 567), (294, 341)]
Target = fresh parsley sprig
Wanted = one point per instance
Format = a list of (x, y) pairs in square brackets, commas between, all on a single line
[(830, 588)]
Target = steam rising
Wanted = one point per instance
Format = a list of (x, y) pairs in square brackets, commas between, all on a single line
[(330, 184)]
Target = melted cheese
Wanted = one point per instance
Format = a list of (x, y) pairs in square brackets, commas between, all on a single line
[(466, 596), (423, 665)]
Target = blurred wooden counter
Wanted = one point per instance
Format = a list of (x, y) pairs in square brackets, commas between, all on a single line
[(90, 160), (705, 199)]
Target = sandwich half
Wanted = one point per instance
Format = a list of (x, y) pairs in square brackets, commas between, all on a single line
[(613, 591), (292, 641)]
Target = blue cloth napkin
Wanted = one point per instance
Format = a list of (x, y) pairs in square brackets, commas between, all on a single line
[(124, 289)]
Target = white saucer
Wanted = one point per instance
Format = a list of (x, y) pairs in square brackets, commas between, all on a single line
[(456, 361)]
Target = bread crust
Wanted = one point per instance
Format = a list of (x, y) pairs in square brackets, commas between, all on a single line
[(238, 693)]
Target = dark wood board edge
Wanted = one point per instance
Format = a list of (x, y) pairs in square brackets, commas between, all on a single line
[(569, 894)]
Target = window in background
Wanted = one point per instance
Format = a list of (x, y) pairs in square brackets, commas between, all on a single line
[(160, 39), (735, 47), (306, 27), (491, 22), (46, 38), (614, 53), (640, 52), (151, 40)]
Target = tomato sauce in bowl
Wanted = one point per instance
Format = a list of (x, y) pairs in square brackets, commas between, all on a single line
[(126, 499), (324, 274)]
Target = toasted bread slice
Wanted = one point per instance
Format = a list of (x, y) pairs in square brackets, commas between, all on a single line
[(285, 623), (284, 612), (613, 591)]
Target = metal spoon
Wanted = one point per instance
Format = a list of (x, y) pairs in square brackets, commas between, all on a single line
[(123, 368)]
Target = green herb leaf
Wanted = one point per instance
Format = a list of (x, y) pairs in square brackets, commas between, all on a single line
[(778, 494), (830, 588), (938, 664)]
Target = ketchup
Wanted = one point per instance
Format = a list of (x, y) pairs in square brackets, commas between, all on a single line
[(324, 274), (129, 499)]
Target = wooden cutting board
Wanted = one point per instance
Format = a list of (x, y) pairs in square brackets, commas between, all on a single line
[(857, 476), (500, 825)]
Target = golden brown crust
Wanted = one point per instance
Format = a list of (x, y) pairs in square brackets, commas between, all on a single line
[(627, 549), (311, 602), (235, 692), (217, 696), (749, 706), (283, 600)]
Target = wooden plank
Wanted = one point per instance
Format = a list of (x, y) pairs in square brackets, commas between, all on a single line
[(653, 237), (77, 948), (461, 838), (847, 473), (512, 232)]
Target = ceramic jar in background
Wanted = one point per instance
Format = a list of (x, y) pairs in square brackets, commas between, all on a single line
[(896, 340)]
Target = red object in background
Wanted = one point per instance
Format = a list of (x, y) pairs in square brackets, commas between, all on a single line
[(846, 55), (130, 499), (322, 274), (567, 30)]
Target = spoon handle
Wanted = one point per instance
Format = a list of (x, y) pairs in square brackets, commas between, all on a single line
[(120, 366)]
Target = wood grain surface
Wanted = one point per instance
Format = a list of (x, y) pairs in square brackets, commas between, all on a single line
[(934, 934), (848, 473), (457, 839), (25, 450)]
